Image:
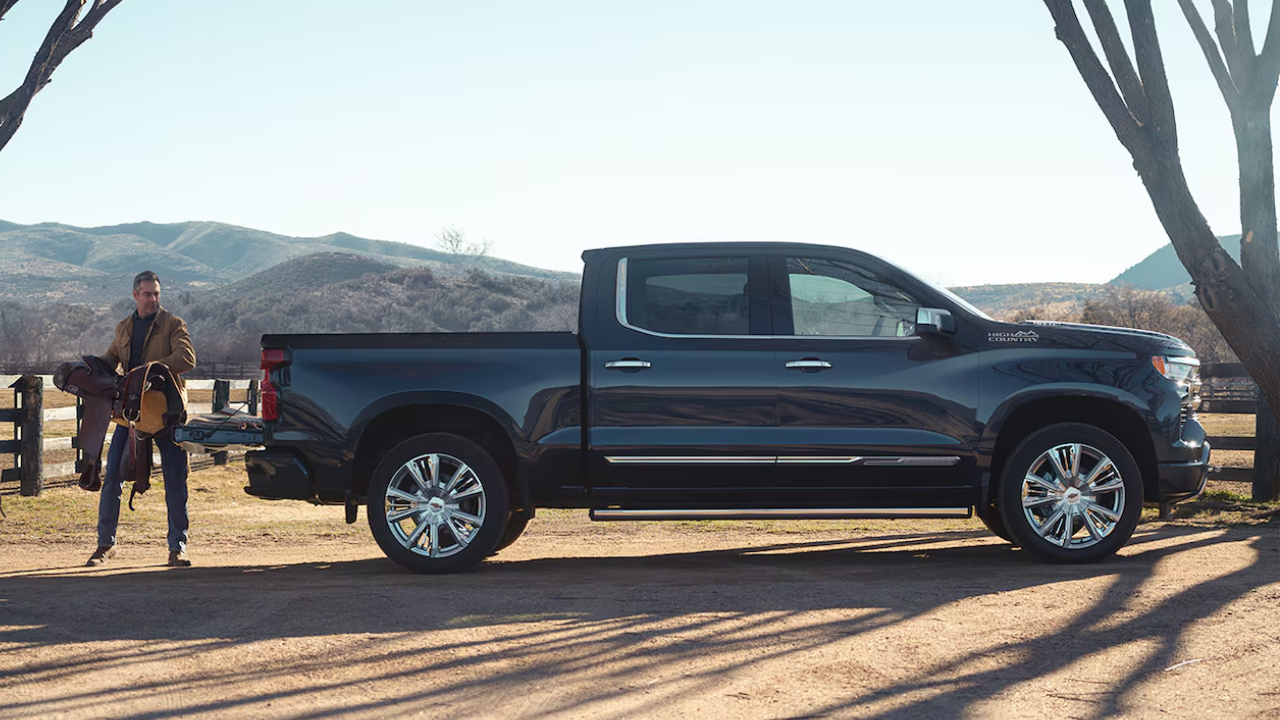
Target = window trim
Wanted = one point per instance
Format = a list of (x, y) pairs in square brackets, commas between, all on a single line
[(620, 313)]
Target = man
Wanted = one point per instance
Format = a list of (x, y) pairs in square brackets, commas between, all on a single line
[(151, 334)]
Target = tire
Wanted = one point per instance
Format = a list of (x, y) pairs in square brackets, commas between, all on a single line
[(515, 528), (438, 503), (990, 516), (1068, 511)]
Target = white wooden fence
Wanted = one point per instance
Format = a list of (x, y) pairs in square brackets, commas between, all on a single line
[(65, 469)]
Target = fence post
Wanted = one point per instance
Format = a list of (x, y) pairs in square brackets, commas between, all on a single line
[(221, 400), (253, 397), (31, 423), (75, 439)]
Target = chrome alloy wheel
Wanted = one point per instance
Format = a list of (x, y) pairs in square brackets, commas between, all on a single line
[(435, 505), (1073, 495)]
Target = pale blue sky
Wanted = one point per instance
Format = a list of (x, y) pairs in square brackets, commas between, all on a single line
[(954, 137)]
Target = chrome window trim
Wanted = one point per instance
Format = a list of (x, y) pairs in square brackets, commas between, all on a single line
[(620, 312)]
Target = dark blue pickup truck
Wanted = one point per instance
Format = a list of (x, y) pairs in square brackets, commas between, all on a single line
[(736, 380)]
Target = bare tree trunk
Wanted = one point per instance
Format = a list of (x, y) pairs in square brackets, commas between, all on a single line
[(1260, 261), (1243, 302)]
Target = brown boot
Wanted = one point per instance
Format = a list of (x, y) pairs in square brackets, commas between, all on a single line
[(179, 559), (101, 556)]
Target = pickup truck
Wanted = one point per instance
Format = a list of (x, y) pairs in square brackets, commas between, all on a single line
[(735, 381)]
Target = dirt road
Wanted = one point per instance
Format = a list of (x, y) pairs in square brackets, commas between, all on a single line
[(610, 621)]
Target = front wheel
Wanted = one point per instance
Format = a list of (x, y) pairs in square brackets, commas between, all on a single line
[(515, 528), (437, 503), (991, 517), (1071, 493)]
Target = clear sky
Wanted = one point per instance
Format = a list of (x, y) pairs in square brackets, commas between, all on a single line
[(953, 137)]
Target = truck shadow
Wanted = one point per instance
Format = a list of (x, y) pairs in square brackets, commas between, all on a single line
[(590, 631)]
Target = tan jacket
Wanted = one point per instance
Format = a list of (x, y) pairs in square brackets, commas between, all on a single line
[(167, 342)]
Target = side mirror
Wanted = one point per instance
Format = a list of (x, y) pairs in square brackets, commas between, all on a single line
[(935, 321)]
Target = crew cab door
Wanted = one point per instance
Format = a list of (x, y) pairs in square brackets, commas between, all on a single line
[(682, 404), (869, 411)]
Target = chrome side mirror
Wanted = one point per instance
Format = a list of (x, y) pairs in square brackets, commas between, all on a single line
[(935, 321)]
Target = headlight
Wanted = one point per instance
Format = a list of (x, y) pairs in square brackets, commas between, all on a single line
[(1185, 371)]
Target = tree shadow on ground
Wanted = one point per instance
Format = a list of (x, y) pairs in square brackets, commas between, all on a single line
[(514, 626)]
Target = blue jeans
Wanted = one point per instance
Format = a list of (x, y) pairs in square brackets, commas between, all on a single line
[(173, 463)]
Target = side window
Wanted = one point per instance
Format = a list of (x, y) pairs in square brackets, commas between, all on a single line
[(688, 296), (833, 297)]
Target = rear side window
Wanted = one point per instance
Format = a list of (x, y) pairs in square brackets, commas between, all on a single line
[(689, 296)]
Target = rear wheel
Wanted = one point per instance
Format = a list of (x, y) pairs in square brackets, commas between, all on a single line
[(437, 503), (1071, 493)]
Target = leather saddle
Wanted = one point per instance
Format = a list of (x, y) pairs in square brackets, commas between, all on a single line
[(147, 400)]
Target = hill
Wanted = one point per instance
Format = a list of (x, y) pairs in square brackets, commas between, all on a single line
[(1048, 300), (303, 274), (52, 261), (1162, 270)]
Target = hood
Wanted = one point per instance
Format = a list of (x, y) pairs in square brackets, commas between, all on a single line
[(1101, 337)]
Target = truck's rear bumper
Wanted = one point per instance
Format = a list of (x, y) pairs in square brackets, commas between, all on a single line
[(1183, 480), (278, 475)]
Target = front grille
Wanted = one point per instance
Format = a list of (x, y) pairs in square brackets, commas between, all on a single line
[(1190, 398)]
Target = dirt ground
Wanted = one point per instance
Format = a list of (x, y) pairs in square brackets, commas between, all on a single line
[(290, 613)]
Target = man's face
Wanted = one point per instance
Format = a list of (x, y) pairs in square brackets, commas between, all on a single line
[(147, 296)]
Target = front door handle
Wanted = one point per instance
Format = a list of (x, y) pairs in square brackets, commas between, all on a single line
[(808, 364), (628, 364)]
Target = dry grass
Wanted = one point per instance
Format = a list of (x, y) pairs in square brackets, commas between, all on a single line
[(220, 512), (1222, 424)]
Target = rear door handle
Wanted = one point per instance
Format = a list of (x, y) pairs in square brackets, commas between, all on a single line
[(808, 364), (628, 364)]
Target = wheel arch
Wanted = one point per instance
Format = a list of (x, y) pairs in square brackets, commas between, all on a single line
[(1114, 414), (381, 428)]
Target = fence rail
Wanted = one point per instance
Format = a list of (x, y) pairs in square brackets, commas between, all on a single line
[(1228, 389), (29, 416)]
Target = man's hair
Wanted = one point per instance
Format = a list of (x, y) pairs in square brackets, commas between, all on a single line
[(144, 276)]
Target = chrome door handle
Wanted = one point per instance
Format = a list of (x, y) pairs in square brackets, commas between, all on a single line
[(808, 365), (628, 364)]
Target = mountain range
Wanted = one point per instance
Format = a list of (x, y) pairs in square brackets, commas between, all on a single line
[(56, 262)]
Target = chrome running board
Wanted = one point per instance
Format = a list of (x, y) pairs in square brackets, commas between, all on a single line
[(796, 514)]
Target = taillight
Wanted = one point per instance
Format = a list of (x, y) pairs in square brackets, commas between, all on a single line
[(271, 359)]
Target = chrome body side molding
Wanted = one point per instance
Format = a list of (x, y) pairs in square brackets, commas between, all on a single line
[(604, 514), (885, 461)]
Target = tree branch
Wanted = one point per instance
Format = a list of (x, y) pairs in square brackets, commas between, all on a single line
[(68, 32), (1118, 58), (1146, 50), (6, 6), (1230, 92), (1244, 33), (1095, 76), (1224, 26), (1267, 70), (84, 29), (38, 73)]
